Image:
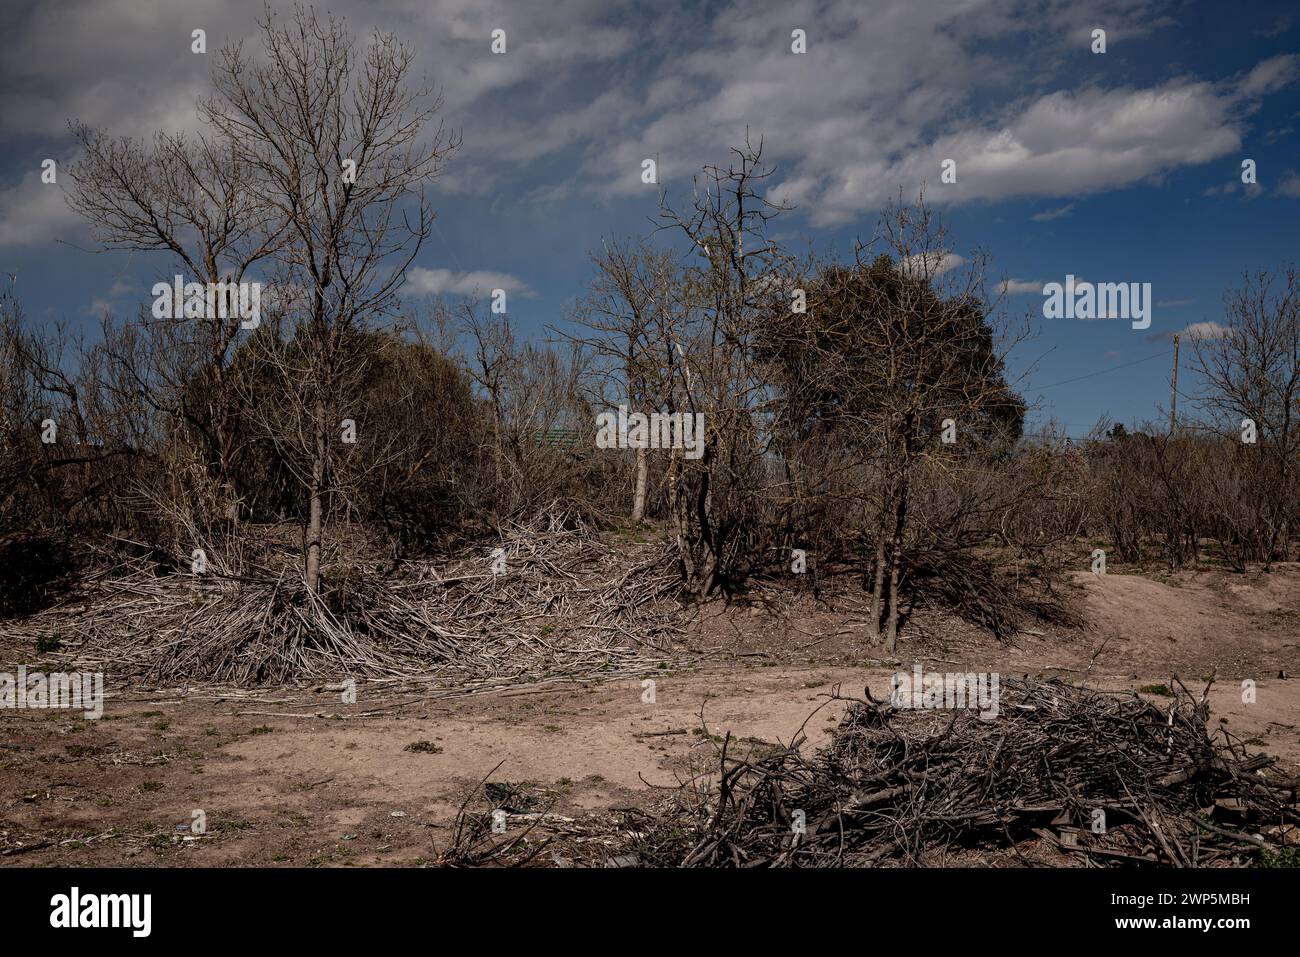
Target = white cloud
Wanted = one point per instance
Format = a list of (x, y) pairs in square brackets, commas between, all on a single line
[(1048, 215), (1290, 185), (421, 281), (1224, 190), (1205, 330), (1020, 287), (930, 264), (590, 88), (902, 88), (1271, 75), (34, 212)]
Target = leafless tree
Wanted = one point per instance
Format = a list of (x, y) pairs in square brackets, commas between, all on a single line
[(342, 150), (1253, 372), (191, 198), (734, 276), (627, 308)]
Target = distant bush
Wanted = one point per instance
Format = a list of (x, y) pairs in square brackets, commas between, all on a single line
[(34, 571)]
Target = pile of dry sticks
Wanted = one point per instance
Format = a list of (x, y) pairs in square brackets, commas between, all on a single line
[(1102, 777), (561, 603)]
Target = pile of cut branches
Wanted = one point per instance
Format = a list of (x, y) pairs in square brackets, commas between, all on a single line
[(560, 604), (1103, 777)]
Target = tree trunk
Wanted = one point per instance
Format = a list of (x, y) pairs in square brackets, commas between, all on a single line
[(681, 520), (317, 504), (878, 584), (642, 475), (895, 562)]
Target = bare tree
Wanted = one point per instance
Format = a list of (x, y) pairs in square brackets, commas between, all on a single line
[(634, 289), (1253, 372), (540, 417), (735, 276), (192, 198), (343, 151)]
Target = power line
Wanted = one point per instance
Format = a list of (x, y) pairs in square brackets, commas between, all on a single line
[(1104, 371)]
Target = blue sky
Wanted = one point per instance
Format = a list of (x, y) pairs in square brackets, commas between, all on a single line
[(1117, 167)]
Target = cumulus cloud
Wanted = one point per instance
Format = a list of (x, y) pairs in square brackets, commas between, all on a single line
[(1205, 330), (34, 212), (1196, 331), (1050, 214), (589, 88), (1224, 190), (1020, 287), (1290, 185), (1271, 75), (421, 281), (930, 264)]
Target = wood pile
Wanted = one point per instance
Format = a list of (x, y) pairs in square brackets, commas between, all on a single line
[(1100, 777)]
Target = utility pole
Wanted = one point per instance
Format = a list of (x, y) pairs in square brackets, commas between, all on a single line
[(1173, 391)]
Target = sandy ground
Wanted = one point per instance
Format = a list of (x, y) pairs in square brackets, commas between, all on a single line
[(295, 776)]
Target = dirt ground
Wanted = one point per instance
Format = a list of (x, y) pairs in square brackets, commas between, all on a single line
[(294, 776)]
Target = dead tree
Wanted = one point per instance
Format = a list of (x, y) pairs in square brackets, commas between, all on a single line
[(734, 276), (192, 199), (343, 150), (1252, 372), (634, 288)]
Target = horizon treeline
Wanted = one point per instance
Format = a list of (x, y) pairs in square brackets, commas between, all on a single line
[(857, 416)]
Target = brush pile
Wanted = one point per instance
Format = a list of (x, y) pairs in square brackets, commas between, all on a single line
[(1100, 777), (561, 604)]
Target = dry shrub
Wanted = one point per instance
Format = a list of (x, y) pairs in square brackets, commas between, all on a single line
[(35, 570)]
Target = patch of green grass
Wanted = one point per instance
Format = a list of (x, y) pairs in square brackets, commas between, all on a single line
[(48, 644), (261, 729), (1287, 857), (1162, 690)]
